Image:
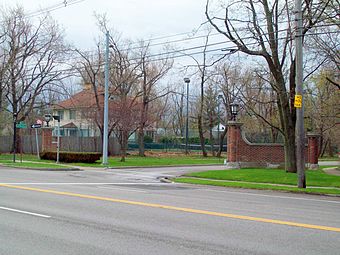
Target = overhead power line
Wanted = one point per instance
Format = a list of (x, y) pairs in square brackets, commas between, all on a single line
[(52, 8)]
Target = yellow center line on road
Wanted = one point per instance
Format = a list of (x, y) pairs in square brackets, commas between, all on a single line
[(175, 208)]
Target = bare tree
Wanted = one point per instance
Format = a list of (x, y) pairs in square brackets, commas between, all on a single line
[(33, 53), (3, 68), (90, 67), (323, 111), (203, 74), (152, 71), (264, 29), (259, 101), (229, 82), (177, 112), (210, 114), (124, 80)]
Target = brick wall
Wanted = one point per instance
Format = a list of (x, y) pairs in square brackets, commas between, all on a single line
[(241, 151), (47, 139)]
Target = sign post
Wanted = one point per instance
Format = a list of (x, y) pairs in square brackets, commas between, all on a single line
[(57, 118), (36, 126), (19, 126)]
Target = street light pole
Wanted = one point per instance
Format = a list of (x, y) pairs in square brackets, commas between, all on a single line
[(106, 101), (187, 81)]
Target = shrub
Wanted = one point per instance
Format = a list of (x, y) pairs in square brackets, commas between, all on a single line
[(196, 140), (72, 157), (148, 139), (169, 140)]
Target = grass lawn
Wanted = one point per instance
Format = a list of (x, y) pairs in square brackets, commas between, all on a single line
[(259, 186), (156, 161), (276, 176), (264, 179), (329, 159), (132, 160), (26, 157), (33, 165)]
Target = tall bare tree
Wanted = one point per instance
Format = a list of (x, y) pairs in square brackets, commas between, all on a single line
[(264, 29), (152, 71), (229, 82), (33, 50), (124, 80)]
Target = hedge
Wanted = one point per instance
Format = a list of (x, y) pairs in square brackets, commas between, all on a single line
[(72, 157)]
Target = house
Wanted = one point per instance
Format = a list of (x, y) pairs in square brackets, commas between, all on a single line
[(76, 114), (80, 113)]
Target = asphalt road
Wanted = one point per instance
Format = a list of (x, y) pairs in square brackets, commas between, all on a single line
[(130, 212)]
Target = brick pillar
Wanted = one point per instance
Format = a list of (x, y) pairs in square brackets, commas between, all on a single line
[(313, 150), (47, 139), (234, 137)]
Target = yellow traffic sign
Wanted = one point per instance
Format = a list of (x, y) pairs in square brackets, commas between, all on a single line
[(298, 101)]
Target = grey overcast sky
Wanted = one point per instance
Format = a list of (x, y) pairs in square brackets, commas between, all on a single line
[(135, 19)]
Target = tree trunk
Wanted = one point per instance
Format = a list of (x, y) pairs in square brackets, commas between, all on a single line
[(200, 131), (212, 142), (289, 133), (222, 136), (124, 146), (330, 149), (141, 141)]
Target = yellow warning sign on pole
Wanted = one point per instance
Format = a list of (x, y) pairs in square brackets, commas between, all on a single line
[(298, 101)]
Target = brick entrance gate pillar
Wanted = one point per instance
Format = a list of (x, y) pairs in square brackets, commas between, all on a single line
[(234, 138), (46, 140), (313, 150)]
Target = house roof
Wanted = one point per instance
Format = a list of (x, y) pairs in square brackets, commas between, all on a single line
[(82, 99), (69, 125)]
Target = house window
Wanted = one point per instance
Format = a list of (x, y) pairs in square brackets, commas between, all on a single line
[(84, 133), (73, 132), (61, 114), (55, 132), (72, 114)]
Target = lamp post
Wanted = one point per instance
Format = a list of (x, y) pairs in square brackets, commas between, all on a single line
[(48, 118), (187, 81), (234, 110), (57, 118), (219, 99), (106, 102)]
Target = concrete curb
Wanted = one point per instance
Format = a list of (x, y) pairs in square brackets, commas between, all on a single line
[(44, 169), (164, 179), (161, 166)]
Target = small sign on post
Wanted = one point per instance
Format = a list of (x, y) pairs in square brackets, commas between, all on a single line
[(21, 124), (298, 101), (36, 126)]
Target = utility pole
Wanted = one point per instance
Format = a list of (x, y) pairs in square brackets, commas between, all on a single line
[(106, 102), (298, 103)]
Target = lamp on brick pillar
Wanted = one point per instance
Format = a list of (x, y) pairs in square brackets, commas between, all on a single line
[(313, 150), (234, 109), (233, 143), (234, 138)]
